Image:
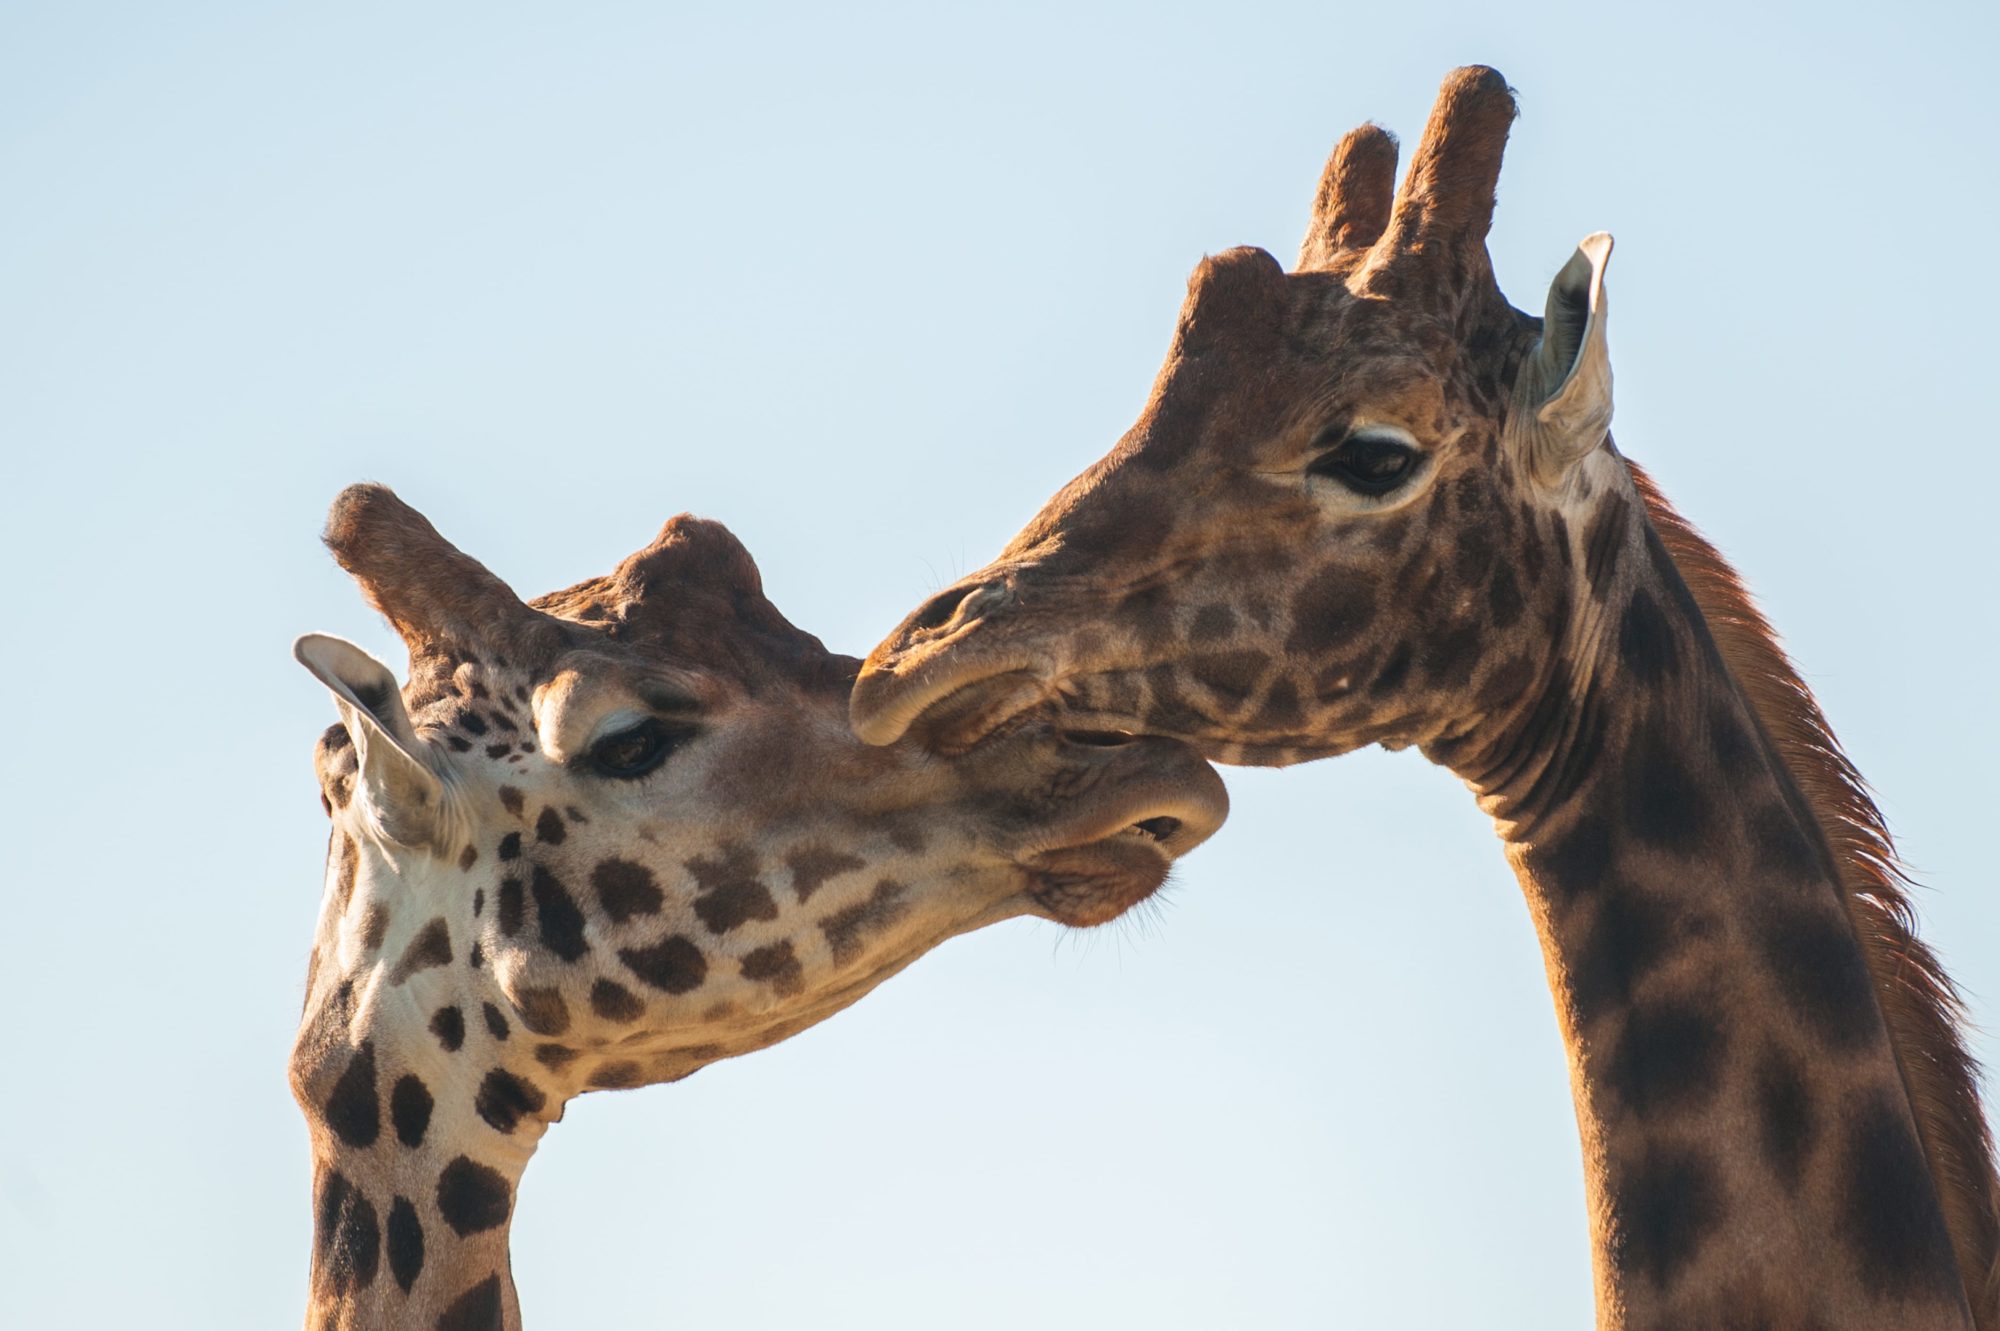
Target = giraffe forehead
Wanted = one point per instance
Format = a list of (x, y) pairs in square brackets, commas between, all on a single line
[(1236, 419), (1267, 413)]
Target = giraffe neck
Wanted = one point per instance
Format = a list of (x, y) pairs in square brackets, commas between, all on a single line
[(420, 1241), (413, 1193), (424, 1108), (1750, 1152)]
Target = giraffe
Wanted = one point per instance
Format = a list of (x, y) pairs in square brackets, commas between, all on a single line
[(606, 838), (1369, 502)]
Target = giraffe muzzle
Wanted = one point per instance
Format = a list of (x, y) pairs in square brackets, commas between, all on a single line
[(935, 677), (1155, 800)]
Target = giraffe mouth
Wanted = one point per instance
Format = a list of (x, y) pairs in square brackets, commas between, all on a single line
[(1109, 859), (1155, 799)]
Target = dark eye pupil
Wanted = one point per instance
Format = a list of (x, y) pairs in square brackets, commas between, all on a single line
[(625, 751), (1368, 466), (1382, 463), (637, 751)]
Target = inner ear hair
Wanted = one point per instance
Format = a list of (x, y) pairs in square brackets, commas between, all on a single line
[(404, 796), (1567, 314), (1562, 396)]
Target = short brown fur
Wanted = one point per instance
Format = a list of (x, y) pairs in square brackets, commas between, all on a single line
[(1919, 1001)]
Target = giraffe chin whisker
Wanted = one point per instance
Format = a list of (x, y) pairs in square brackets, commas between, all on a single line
[(1085, 886)]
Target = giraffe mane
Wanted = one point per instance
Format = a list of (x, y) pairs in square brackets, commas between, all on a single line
[(1919, 1001)]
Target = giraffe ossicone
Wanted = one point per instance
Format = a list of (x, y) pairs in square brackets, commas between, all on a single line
[(1371, 502), (606, 838)]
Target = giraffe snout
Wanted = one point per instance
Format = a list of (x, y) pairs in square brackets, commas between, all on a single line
[(935, 652)]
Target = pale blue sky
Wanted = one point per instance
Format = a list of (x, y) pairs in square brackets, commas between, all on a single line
[(868, 284)]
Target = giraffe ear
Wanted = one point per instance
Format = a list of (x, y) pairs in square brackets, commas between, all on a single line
[(1562, 398), (402, 794)]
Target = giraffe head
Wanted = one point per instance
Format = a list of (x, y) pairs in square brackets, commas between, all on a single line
[(603, 839), (1369, 501), (1345, 515)]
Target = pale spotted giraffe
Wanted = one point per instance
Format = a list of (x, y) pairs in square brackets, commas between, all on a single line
[(1370, 502), (608, 838)]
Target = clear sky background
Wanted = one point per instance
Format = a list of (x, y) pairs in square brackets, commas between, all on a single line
[(868, 284)]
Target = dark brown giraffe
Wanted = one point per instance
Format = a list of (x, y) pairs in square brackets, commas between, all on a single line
[(1370, 502), (608, 838)]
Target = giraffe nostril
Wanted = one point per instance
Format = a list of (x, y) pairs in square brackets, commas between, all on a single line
[(954, 601), (937, 610), (1100, 739)]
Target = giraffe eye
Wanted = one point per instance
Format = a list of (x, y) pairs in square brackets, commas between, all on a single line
[(638, 750), (1368, 464)]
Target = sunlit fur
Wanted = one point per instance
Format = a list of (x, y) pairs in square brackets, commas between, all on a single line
[(1919, 1000), (1780, 1120), (506, 925)]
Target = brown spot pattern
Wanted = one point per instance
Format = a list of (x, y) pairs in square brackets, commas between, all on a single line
[(812, 866), (625, 889), (731, 891), (431, 947), (374, 926), (847, 929), (542, 1011), (614, 1002), (673, 965), (774, 964)]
